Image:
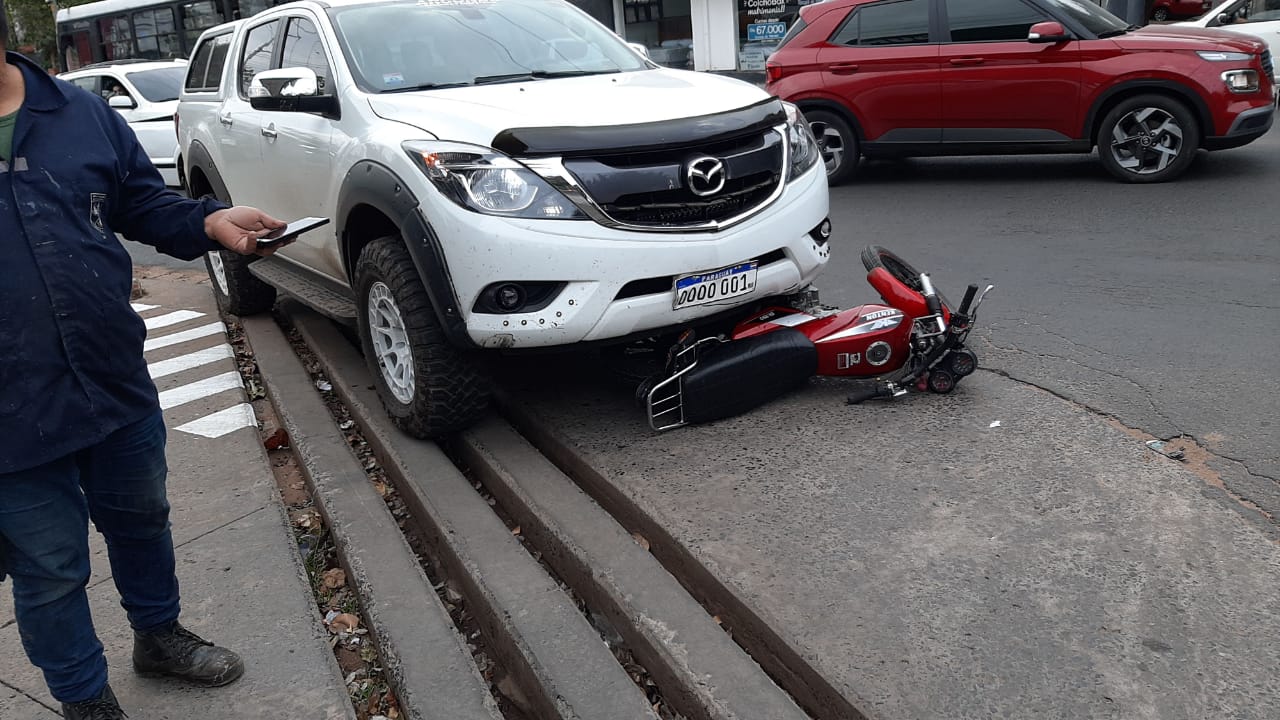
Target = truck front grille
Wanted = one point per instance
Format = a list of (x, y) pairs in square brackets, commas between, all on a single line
[(652, 188)]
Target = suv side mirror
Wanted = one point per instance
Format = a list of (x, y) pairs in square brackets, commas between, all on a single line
[(1048, 32), (640, 48), (121, 102), (295, 89)]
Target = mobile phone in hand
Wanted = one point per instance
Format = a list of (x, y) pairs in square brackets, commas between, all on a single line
[(289, 233)]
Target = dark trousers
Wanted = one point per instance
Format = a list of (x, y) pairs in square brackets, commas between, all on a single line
[(119, 484)]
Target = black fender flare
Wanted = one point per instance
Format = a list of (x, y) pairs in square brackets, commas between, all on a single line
[(197, 156), (374, 184), (1182, 92)]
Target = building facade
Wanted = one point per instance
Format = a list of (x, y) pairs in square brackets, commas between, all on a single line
[(716, 35)]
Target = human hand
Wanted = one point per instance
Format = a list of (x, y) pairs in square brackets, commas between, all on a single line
[(238, 229)]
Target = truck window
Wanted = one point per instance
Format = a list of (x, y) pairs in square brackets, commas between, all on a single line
[(256, 56)]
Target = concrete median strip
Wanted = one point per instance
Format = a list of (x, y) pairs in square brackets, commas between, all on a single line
[(427, 660), (702, 671), (557, 658)]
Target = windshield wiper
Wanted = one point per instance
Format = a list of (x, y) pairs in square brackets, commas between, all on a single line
[(425, 86), (539, 75), (1115, 33)]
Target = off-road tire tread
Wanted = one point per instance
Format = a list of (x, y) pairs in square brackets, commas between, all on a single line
[(450, 392)]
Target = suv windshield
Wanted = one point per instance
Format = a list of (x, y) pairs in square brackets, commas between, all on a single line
[(1091, 16), (439, 43), (160, 84)]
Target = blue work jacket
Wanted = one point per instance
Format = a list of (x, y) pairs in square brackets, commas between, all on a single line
[(71, 364)]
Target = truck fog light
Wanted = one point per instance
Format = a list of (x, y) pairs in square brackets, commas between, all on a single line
[(509, 297)]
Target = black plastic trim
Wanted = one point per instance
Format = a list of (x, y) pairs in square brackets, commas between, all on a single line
[(1198, 105), (1236, 137), (198, 157), (376, 185), (883, 150), (608, 139), (1002, 135)]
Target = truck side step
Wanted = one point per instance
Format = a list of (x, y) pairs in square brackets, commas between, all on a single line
[(321, 294)]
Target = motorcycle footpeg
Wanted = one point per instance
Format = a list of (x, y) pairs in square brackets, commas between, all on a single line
[(871, 391)]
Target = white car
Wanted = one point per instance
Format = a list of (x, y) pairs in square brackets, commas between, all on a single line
[(1259, 18), (500, 175), (145, 93)]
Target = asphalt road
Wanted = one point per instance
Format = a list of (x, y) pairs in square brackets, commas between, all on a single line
[(1154, 305)]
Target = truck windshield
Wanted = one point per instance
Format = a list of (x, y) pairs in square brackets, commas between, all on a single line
[(399, 46), (160, 84)]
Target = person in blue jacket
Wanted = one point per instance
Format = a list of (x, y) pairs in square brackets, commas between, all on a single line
[(81, 433)]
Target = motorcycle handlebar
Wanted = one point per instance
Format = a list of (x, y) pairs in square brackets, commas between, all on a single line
[(869, 391), (968, 299)]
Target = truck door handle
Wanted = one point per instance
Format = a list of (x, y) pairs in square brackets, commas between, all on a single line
[(269, 131), (844, 68), (968, 61), (225, 119)]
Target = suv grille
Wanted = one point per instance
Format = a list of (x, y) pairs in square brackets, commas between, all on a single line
[(651, 188), (1266, 63)]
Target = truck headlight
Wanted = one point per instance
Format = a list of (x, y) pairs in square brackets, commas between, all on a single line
[(804, 147), (1241, 81), (488, 182)]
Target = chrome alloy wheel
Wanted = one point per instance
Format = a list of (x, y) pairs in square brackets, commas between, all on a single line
[(390, 342), (219, 271), (830, 143), (1146, 140)]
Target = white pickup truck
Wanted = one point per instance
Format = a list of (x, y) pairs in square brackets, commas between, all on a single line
[(500, 174)]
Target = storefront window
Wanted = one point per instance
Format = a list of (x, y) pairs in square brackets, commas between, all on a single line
[(665, 27), (761, 26)]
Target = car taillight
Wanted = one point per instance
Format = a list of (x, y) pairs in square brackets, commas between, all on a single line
[(773, 73)]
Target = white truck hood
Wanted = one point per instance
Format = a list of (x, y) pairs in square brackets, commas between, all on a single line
[(477, 114)]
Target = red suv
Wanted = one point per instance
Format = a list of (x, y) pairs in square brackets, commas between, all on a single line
[(970, 77)]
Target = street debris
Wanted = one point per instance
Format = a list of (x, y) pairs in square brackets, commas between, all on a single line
[(278, 440), (324, 385), (334, 578), (640, 540), (994, 424), (340, 623), (1164, 449)]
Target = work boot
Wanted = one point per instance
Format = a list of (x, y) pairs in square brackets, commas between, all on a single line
[(180, 653), (103, 707)]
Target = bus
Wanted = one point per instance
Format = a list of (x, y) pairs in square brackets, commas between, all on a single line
[(116, 30)]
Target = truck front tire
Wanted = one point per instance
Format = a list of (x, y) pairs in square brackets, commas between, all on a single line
[(427, 385)]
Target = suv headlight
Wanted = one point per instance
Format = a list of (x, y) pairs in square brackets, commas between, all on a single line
[(488, 182), (1223, 56), (804, 147)]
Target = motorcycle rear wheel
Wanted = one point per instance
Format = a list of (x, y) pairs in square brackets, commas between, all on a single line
[(875, 256)]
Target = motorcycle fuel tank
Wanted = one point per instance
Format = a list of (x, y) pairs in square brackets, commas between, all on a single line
[(863, 341)]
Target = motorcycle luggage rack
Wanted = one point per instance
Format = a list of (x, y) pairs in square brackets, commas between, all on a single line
[(667, 397)]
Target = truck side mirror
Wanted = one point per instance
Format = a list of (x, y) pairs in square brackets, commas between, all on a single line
[(1048, 32), (295, 89)]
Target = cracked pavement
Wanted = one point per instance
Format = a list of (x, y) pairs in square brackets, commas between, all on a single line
[(1150, 305)]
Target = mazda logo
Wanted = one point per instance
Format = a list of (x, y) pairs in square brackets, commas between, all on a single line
[(705, 175)]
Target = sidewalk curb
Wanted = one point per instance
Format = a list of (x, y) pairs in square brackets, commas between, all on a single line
[(425, 658)]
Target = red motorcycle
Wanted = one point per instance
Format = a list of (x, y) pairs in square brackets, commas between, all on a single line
[(916, 339)]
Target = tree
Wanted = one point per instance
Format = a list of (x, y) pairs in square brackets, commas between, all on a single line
[(31, 29)]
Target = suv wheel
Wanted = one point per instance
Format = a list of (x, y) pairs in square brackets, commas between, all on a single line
[(237, 290), (427, 386), (838, 142), (1160, 14), (1148, 139)]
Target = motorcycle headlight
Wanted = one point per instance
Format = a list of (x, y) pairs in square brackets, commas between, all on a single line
[(804, 147), (488, 182)]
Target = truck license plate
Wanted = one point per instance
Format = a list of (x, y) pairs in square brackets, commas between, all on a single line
[(715, 286)]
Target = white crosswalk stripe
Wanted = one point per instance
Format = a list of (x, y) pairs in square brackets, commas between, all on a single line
[(191, 392), (172, 318), (208, 356), (212, 328), (190, 360), (221, 422)]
